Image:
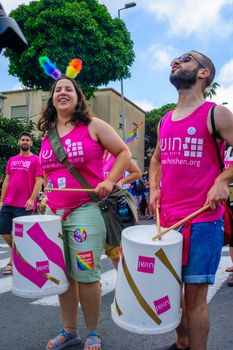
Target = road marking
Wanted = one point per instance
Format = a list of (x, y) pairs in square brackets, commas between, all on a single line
[(220, 277), (5, 284), (3, 245), (3, 251), (3, 263), (108, 281)]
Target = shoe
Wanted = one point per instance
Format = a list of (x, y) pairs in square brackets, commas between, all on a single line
[(8, 269), (229, 269), (174, 347), (70, 340), (94, 337), (230, 281)]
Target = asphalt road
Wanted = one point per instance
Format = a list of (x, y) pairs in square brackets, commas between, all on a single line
[(27, 324)]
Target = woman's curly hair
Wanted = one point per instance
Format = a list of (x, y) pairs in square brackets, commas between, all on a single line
[(81, 113)]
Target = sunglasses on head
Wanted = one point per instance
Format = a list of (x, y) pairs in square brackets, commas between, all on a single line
[(186, 58)]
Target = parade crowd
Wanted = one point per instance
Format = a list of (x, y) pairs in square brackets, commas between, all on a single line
[(176, 184)]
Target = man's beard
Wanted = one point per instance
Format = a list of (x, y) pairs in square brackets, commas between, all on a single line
[(24, 147), (184, 79)]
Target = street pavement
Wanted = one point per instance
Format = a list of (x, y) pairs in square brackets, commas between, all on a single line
[(27, 324)]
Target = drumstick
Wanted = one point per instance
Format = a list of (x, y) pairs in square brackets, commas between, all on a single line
[(69, 189), (181, 222), (158, 221)]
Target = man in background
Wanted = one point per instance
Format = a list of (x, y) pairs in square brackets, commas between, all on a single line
[(20, 188)]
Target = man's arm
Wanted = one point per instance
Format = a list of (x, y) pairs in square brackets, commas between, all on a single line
[(134, 174), (36, 189), (4, 188), (219, 192)]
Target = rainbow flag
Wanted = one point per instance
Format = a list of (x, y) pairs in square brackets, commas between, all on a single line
[(133, 134)]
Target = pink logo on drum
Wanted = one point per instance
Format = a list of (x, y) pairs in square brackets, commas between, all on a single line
[(18, 230), (80, 235), (162, 305), (42, 267), (146, 264)]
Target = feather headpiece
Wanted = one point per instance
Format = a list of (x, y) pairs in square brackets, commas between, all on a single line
[(72, 70)]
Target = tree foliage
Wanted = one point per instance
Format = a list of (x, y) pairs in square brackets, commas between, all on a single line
[(152, 119), (210, 91), (67, 29), (9, 133)]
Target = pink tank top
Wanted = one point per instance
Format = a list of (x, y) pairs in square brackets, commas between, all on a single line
[(189, 166), (85, 154)]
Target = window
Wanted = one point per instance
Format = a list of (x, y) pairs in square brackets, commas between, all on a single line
[(19, 112)]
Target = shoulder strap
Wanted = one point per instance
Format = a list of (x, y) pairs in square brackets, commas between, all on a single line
[(215, 136), (60, 154)]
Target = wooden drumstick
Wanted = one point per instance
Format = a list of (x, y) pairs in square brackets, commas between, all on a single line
[(69, 189), (181, 222)]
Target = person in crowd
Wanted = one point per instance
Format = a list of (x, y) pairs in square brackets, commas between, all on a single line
[(185, 162), (20, 188), (137, 189), (84, 138), (229, 161), (132, 174)]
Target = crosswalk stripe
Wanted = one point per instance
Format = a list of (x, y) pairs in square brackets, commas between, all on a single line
[(108, 281), (3, 251), (3, 263), (5, 284), (3, 245)]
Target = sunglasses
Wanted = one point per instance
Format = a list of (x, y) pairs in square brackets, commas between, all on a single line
[(186, 58)]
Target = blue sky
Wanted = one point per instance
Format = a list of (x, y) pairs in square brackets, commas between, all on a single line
[(162, 30)]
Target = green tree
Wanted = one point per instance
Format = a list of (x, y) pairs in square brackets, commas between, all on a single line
[(9, 133), (67, 29), (210, 91), (152, 119)]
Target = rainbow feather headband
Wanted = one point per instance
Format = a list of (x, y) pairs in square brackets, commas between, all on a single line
[(72, 70)]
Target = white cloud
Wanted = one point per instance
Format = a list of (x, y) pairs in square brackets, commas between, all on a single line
[(9, 5), (159, 56), (226, 74), (202, 18), (145, 105), (224, 93)]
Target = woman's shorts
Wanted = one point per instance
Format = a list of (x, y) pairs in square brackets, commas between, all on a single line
[(84, 235), (205, 252)]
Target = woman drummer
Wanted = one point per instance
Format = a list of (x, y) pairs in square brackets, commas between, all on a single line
[(84, 139)]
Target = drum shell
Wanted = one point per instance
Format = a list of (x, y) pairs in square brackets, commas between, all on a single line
[(38, 256), (147, 296)]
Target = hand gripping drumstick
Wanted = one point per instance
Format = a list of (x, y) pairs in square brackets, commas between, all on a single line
[(181, 222), (69, 189)]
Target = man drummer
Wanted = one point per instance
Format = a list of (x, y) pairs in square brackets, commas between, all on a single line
[(20, 188), (185, 161)]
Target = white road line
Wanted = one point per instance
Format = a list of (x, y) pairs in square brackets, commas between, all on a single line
[(3, 251), (3, 245), (3, 263), (108, 281), (5, 284), (220, 277)]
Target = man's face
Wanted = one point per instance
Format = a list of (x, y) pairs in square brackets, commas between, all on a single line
[(184, 71), (25, 143)]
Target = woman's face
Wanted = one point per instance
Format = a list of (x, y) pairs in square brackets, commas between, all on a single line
[(64, 96)]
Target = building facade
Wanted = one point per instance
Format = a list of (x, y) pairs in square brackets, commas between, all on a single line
[(105, 104)]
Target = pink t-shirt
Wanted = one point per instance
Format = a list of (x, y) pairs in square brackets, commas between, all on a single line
[(85, 154), (22, 171), (189, 166)]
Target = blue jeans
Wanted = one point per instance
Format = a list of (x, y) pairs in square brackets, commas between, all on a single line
[(205, 252)]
